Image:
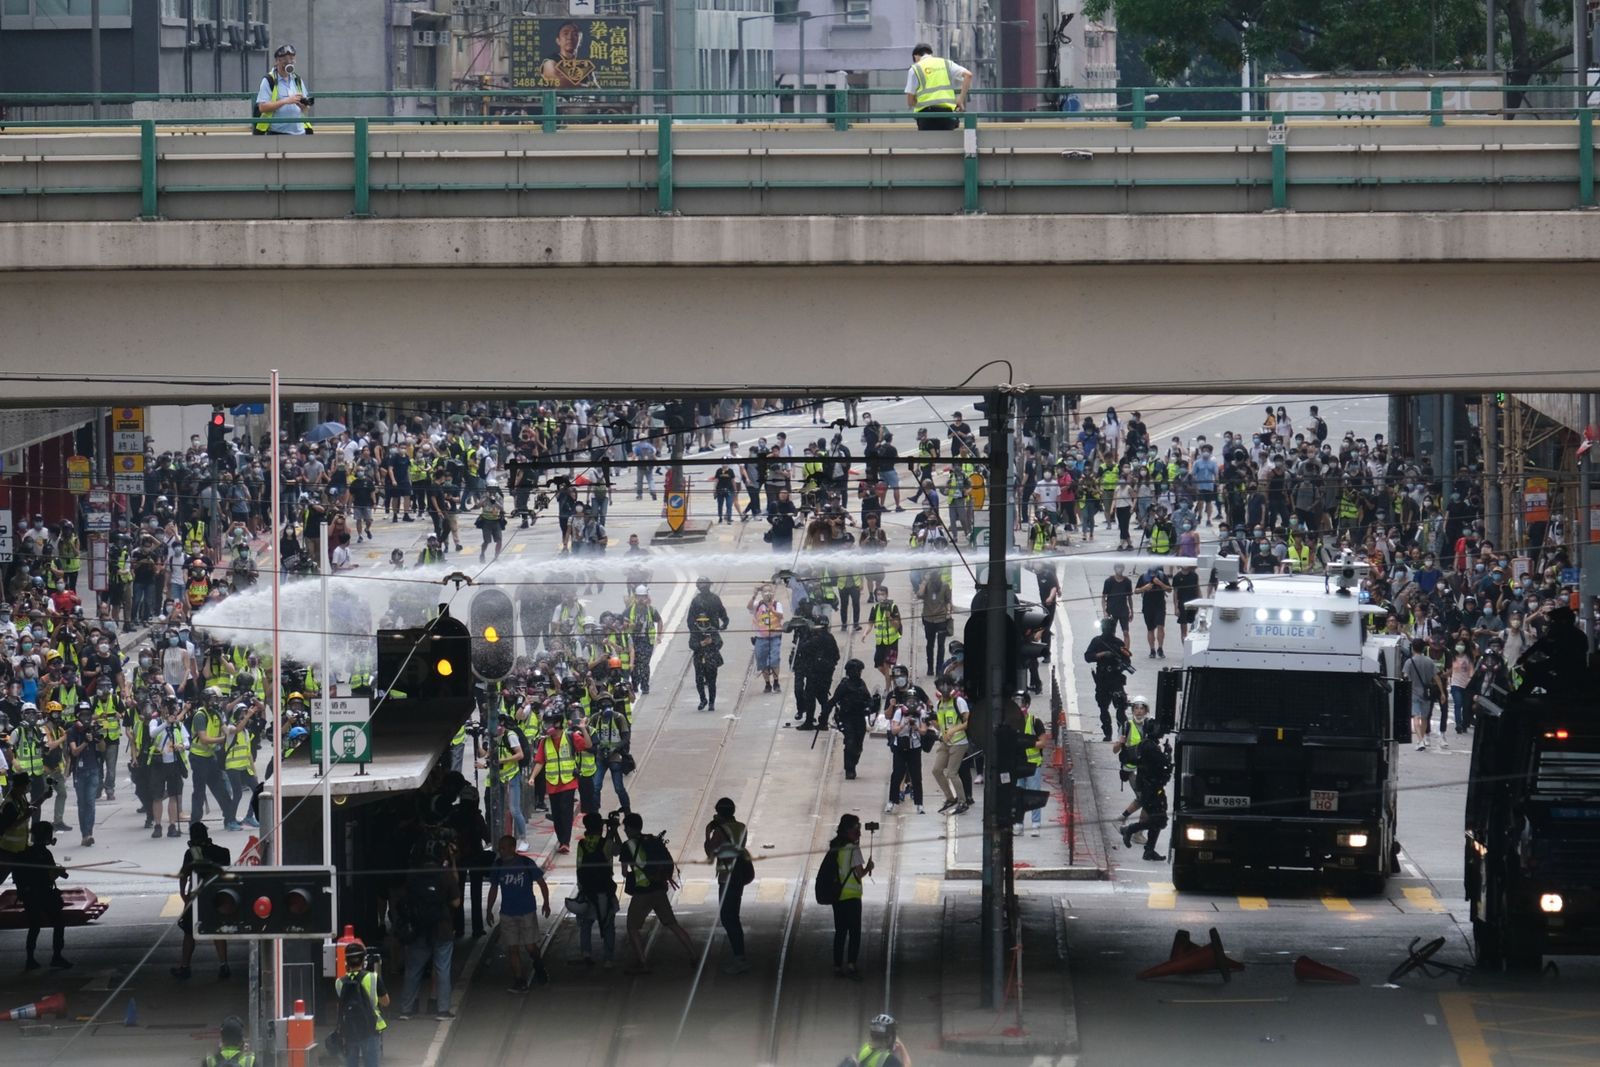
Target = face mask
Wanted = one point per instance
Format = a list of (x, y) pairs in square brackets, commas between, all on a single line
[(1461, 648), (27, 647), (104, 650), (172, 642), (144, 661)]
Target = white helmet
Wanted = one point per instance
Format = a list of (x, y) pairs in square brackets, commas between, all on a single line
[(641, 590), (1139, 699), (882, 1030)]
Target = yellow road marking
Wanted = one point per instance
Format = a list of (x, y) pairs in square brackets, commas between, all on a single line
[(1252, 903), (694, 892), (1422, 898), (172, 908), (772, 890), (1462, 1022), (1337, 904), (523, 547), (927, 891), (1163, 897)]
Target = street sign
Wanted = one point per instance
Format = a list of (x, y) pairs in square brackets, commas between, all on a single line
[(128, 483), (352, 742), (1277, 133), (307, 407), (7, 545), (1570, 575), (128, 441), (127, 419), (97, 512), (99, 562), (351, 727), (77, 474)]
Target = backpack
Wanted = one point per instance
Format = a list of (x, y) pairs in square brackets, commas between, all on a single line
[(827, 885), (426, 903), (255, 107), (659, 866), (357, 1021)]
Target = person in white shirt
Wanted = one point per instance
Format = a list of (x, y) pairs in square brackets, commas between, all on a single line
[(931, 89)]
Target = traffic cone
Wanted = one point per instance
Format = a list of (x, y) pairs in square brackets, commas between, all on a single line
[(1307, 969), (55, 1004), (1186, 957)]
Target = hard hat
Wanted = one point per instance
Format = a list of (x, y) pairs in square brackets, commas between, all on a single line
[(882, 1030), (614, 662), (52, 654), (297, 696), (214, 691), (641, 590), (297, 733), (1139, 698), (52, 707)]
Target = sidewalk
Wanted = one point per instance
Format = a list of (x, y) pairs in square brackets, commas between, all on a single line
[(1039, 1015)]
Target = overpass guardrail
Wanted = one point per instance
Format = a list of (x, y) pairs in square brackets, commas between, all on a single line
[(598, 152)]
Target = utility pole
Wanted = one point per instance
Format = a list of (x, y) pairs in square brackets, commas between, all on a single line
[(995, 850), (1491, 468)]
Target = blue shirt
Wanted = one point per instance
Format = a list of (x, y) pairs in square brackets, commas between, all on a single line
[(516, 880), (289, 118), (1205, 474)]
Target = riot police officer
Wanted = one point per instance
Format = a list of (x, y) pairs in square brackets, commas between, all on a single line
[(1111, 661), (851, 704), (814, 659), (1152, 772)]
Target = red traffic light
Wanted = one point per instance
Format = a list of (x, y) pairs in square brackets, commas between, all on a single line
[(217, 418), (262, 907)]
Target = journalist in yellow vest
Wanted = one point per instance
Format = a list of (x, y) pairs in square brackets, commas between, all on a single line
[(282, 97), (931, 89)]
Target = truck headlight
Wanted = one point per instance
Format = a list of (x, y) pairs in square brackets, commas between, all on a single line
[(1199, 834), (1550, 903), (1355, 839)]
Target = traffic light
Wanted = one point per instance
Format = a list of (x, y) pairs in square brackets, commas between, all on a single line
[(1030, 620), (216, 430), (1014, 766), (431, 663), (494, 645), (995, 410), (273, 902)]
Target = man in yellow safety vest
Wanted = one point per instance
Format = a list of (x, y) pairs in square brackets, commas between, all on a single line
[(931, 91)]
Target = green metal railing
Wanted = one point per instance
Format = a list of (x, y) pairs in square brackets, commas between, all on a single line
[(822, 107)]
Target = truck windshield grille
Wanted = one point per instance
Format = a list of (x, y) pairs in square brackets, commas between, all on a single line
[(1315, 702)]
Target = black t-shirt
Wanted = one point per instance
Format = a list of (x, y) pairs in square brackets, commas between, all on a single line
[(1118, 593), (211, 858), (1185, 587), (1154, 597), (724, 479), (361, 492)]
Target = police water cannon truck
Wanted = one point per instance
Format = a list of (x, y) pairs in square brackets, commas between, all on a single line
[(1286, 721)]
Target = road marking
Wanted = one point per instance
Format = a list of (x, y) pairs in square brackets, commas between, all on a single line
[(927, 891), (1163, 897), (1337, 904), (694, 892), (1422, 898), (1252, 903), (518, 548), (772, 890), (1462, 1022), (172, 908), (1431, 1020)]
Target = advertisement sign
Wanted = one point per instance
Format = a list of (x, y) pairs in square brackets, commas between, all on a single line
[(128, 419), (1361, 96), (7, 544), (571, 53), (1536, 500), (97, 512), (77, 474)]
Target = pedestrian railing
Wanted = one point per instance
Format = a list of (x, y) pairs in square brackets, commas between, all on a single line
[(622, 152)]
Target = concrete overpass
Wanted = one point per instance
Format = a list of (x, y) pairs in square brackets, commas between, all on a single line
[(1438, 257)]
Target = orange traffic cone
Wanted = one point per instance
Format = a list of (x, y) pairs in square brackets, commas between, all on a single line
[(55, 1004), (1307, 969), (1190, 958)]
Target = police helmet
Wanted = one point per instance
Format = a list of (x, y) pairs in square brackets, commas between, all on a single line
[(703, 584), (854, 667), (900, 675), (881, 1031)]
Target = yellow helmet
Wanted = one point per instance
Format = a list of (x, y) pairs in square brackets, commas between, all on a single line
[(54, 705), (52, 654), (297, 696)]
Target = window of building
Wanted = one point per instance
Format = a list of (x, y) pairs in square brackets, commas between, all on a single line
[(785, 10), (73, 8), (858, 12)]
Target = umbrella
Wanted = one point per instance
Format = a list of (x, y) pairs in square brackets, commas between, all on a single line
[(322, 431)]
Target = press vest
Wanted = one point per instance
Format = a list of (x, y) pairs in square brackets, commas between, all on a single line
[(1300, 557), (884, 629), (872, 1057), (109, 717), (560, 764), (241, 753), (369, 984), (231, 1057), (1160, 541), (205, 721), (849, 884), (1135, 737), (29, 753), (1034, 752), (194, 536), (949, 716), (266, 120), (1043, 533), (505, 767)]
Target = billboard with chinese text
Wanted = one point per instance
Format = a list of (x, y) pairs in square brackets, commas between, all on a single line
[(571, 53)]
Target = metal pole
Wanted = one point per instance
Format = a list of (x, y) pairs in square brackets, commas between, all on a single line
[(1490, 42), (94, 53), (274, 683), (1447, 434), (1491, 468), (1580, 51), (738, 58), (996, 685), (1585, 469), (800, 79), (324, 564)]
